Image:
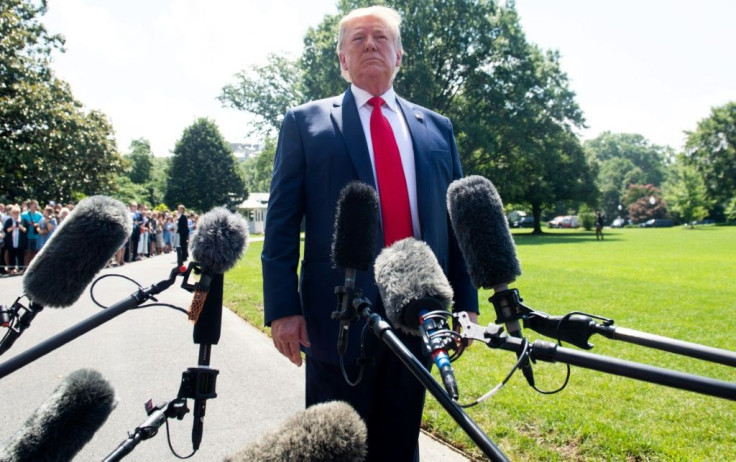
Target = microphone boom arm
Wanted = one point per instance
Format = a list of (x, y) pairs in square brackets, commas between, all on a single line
[(494, 337), (81, 328)]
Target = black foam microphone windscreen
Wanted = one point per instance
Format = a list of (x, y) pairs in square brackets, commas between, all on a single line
[(65, 422), (327, 432), (356, 227), (220, 240), (80, 247), (482, 232), (407, 273)]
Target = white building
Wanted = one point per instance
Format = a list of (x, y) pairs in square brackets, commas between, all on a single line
[(254, 210)]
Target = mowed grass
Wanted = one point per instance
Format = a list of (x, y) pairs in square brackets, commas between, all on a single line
[(673, 282)]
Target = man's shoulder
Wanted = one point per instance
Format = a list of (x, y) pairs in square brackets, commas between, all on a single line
[(319, 104), (418, 109)]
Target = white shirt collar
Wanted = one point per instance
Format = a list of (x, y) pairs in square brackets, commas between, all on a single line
[(362, 97)]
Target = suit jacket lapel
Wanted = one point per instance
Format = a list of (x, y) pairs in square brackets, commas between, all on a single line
[(418, 129), (345, 115)]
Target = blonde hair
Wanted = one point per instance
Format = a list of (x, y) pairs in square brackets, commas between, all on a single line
[(387, 15)]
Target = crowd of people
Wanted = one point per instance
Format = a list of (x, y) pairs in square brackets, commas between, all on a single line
[(26, 228), (156, 232)]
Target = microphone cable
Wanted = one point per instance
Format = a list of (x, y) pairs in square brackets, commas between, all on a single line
[(522, 357), (148, 305)]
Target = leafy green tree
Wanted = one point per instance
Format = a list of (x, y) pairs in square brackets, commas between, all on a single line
[(645, 202), (257, 171), (140, 158), (266, 91), (204, 172), (686, 193), (624, 159), (711, 149), (587, 217), (731, 210), (50, 147)]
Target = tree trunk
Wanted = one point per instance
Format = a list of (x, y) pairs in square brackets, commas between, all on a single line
[(537, 214)]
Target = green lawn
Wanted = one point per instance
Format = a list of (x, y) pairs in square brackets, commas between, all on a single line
[(673, 282)]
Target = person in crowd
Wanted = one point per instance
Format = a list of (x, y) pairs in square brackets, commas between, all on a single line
[(63, 213), (135, 234), (159, 217), (16, 241), (143, 247), (168, 232), (182, 227), (31, 221), (47, 226), (408, 153)]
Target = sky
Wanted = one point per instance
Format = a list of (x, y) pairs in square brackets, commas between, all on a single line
[(652, 67)]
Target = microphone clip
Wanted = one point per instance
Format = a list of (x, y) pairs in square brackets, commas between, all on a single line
[(351, 304), (16, 319), (508, 306), (195, 279), (198, 383)]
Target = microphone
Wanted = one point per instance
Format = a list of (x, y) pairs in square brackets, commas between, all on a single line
[(65, 422), (220, 241), (80, 247), (482, 231), (413, 289), (353, 244), (330, 431)]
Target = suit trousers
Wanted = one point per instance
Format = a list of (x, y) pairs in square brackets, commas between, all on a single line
[(388, 398)]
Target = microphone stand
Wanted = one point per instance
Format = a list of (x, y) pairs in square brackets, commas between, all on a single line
[(494, 337), (383, 331), (47, 346), (197, 383)]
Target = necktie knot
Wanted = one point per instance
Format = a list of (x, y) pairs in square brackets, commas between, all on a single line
[(376, 102)]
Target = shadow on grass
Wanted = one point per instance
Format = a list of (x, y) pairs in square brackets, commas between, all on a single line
[(562, 238)]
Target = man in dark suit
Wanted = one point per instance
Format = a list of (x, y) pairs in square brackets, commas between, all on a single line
[(324, 145), (182, 227)]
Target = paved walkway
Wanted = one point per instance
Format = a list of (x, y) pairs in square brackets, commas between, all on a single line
[(142, 353)]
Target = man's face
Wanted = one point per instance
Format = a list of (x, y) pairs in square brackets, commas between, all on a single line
[(369, 54)]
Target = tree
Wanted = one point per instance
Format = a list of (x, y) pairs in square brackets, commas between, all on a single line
[(50, 148), (731, 210), (711, 149), (141, 161), (204, 172), (510, 103), (645, 202), (266, 91), (650, 159), (257, 171), (686, 193), (624, 159)]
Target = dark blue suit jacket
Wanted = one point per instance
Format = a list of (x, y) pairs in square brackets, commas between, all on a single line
[(321, 149)]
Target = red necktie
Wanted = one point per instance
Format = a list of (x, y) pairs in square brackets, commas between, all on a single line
[(394, 195)]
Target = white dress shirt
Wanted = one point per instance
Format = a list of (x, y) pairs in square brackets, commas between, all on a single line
[(395, 117)]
